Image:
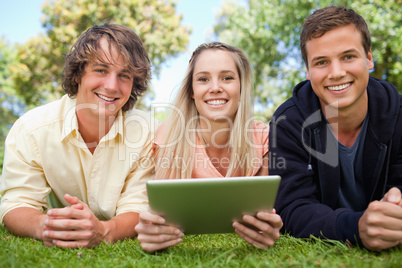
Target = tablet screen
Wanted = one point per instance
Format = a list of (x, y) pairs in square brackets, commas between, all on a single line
[(210, 205)]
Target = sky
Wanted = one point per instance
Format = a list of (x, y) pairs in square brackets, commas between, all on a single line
[(20, 20)]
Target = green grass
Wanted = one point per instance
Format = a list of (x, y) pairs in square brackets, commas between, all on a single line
[(221, 250)]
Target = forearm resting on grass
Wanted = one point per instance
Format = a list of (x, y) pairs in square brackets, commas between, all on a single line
[(380, 226), (25, 222), (154, 234), (70, 227)]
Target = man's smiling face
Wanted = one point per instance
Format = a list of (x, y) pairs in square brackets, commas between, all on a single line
[(338, 67), (105, 85)]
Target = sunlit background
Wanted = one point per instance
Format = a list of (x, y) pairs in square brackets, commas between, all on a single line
[(31, 55)]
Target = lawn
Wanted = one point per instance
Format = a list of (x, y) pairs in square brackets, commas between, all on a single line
[(220, 250)]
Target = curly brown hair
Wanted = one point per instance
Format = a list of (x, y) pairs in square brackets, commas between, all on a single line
[(329, 18), (87, 48)]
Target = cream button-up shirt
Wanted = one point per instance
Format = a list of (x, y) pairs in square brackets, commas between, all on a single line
[(46, 157)]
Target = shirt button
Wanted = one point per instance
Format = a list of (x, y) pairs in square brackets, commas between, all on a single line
[(93, 175)]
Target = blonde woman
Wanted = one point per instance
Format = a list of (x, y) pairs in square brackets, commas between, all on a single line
[(210, 133)]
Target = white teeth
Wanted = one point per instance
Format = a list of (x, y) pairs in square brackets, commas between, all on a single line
[(340, 87), (105, 98), (216, 102)]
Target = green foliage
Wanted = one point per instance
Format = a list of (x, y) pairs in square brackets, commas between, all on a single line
[(155, 21), (220, 250), (268, 31), (9, 103), (33, 79), (384, 19), (31, 74), (160, 115)]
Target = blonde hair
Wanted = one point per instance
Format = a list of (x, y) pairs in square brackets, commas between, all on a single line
[(174, 148)]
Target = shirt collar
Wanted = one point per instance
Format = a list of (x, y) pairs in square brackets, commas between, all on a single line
[(117, 127), (70, 123)]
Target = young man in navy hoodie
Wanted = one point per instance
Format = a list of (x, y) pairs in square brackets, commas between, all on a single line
[(340, 136)]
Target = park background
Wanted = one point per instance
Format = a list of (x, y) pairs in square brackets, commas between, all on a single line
[(36, 34)]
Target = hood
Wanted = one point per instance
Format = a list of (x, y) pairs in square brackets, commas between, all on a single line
[(384, 106)]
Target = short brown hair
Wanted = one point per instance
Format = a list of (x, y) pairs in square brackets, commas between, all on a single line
[(87, 48), (329, 18)]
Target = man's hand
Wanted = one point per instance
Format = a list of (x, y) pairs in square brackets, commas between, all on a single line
[(394, 196), (154, 234), (73, 226), (266, 229), (380, 226)]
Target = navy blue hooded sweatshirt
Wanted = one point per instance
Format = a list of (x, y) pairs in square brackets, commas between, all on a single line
[(308, 194)]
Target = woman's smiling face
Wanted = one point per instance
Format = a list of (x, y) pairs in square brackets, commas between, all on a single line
[(216, 85)]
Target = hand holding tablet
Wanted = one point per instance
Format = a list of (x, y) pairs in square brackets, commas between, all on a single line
[(214, 205), (210, 205)]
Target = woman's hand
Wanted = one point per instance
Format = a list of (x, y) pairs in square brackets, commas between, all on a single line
[(265, 228), (154, 234)]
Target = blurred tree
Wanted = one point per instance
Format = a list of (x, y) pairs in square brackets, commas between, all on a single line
[(384, 19), (10, 106), (39, 78), (268, 31)]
